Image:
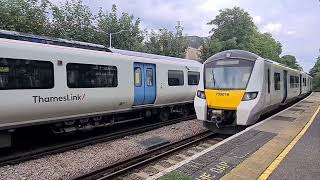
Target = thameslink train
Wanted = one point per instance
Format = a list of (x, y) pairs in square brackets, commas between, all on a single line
[(72, 86), (236, 87)]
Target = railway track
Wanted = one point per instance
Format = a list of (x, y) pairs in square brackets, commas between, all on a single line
[(119, 169), (61, 147)]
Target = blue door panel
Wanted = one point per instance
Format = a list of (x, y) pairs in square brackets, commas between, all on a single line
[(138, 86), (150, 83), (144, 84)]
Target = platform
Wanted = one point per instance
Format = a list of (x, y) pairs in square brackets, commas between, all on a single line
[(284, 146)]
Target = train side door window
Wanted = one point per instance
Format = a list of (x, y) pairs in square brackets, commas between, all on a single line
[(175, 78), (137, 77), (149, 77), (268, 80), (26, 74), (292, 84), (193, 77), (276, 81), (296, 81)]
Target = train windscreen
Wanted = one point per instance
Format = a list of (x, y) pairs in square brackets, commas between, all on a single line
[(228, 74)]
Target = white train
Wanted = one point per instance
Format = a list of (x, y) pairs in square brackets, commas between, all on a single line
[(236, 87), (86, 86)]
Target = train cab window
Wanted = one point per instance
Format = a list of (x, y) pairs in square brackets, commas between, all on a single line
[(91, 76), (149, 77), (137, 77), (193, 77), (175, 78), (277, 81), (292, 84), (26, 74)]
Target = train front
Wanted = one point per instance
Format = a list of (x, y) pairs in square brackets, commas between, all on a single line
[(224, 100)]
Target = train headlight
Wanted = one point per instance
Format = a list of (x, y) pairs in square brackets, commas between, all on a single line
[(249, 96), (201, 94)]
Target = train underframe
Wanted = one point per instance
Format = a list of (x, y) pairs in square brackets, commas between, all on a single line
[(222, 121), (84, 124)]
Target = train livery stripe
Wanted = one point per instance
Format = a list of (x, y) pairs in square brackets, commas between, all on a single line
[(224, 99)]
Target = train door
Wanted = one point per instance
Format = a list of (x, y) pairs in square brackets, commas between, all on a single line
[(285, 86), (300, 84), (268, 82), (144, 83)]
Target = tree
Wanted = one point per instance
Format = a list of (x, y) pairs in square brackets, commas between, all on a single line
[(167, 42), (232, 26), (130, 39), (28, 16), (73, 20), (234, 29), (315, 73), (210, 47), (315, 68), (264, 45), (290, 61)]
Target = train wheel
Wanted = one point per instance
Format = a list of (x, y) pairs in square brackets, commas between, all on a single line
[(164, 115)]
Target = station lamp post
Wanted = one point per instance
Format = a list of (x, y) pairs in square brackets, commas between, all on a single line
[(110, 36)]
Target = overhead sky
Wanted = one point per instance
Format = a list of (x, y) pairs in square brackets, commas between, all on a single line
[(295, 23)]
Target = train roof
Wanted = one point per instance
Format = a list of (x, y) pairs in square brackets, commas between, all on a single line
[(152, 56), (242, 54), (52, 41), (83, 45)]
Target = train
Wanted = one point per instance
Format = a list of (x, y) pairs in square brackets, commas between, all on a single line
[(72, 86), (237, 87)]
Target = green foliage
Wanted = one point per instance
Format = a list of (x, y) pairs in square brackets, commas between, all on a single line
[(290, 61), (315, 73), (29, 16), (315, 68), (264, 45), (167, 42), (73, 20), (130, 39), (175, 176), (210, 47), (234, 29), (232, 25)]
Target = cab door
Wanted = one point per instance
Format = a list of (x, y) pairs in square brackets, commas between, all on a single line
[(144, 83)]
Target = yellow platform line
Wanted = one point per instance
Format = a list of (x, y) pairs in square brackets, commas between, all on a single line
[(285, 152)]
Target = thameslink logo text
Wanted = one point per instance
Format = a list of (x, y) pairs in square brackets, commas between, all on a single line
[(50, 99)]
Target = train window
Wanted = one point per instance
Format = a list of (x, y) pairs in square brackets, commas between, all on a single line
[(277, 81), (292, 84), (175, 78), (268, 80), (193, 77), (91, 76), (304, 82), (149, 77), (137, 77), (25, 74)]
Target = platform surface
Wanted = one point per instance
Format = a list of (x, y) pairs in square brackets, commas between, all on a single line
[(303, 161), (247, 155)]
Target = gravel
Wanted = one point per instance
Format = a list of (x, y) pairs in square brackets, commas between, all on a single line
[(77, 162)]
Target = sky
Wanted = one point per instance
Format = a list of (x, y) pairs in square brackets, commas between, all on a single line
[(295, 23)]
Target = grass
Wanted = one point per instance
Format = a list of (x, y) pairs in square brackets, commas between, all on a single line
[(175, 176)]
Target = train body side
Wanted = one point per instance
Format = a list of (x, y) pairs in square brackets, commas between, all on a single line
[(24, 107)]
